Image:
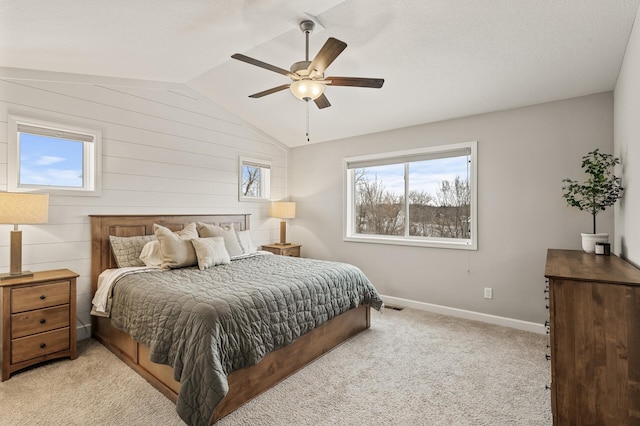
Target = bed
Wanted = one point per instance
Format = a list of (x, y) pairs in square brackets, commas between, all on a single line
[(241, 384)]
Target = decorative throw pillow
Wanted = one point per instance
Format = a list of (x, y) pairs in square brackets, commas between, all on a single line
[(246, 243), (151, 254), (126, 250), (206, 230), (210, 252), (176, 248)]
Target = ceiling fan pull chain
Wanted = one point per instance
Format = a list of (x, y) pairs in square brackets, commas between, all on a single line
[(307, 100)]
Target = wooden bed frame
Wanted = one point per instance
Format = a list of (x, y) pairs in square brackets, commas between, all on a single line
[(243, 384)]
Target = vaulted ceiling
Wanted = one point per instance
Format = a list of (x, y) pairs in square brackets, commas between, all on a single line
[(440, 59)]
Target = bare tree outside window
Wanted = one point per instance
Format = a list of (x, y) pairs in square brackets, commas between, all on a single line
[(421, 212), (251, 181), (378, 210), (452, 209)]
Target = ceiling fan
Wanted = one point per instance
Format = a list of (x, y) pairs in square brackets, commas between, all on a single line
[(307, 77)]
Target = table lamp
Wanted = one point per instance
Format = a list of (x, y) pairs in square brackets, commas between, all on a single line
[(283, 210), (21, 208)]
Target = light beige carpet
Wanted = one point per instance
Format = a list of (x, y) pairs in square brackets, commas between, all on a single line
[(410, 368)]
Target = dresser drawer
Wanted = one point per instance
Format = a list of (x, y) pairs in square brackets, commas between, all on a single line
[(39, 296), (32, 322), (46, 343)]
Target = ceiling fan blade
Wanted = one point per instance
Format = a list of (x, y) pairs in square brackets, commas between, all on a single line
[(269, 91), (375, 83), (329, 52), (322, 101), (261, 64)]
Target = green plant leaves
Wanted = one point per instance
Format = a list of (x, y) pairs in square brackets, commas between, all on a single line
[(601, 189)]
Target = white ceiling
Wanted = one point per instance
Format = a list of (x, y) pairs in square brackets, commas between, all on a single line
[(440, 58)]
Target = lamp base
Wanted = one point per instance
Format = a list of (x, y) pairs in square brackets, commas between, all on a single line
[(283, 233), (10, 276), (281, 244)]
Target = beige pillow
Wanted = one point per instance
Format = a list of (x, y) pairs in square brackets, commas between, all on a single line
[(151, 254), (210, 252), (176, 248), (206, 230)]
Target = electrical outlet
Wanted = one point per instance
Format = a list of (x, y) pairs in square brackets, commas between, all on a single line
[(488, 293)]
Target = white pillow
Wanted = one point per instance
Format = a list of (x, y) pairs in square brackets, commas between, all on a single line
[(176, 248), (151, 254), (206, 230), (246, 243), (210, 252)]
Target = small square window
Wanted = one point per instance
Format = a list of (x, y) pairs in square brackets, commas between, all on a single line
[(255, 180), (52, 157)]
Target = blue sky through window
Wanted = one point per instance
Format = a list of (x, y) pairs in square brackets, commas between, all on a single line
[(50, 161), (423, 175)]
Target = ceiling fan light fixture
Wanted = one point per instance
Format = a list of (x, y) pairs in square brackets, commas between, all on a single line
[(307, 89)]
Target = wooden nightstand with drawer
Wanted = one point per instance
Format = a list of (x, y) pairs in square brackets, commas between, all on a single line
[(292, 250), (38, 319)]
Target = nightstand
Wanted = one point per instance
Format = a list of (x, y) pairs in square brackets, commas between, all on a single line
[(38, 319), (292, 250)]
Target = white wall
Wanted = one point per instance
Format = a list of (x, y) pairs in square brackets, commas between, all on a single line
[(627, 147), (165, 150), (523, 155)]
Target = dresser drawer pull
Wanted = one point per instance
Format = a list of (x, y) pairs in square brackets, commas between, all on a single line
[(43, 321), (43, 297), (43, 345)]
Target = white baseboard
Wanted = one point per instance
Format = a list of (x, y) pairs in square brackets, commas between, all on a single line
[(471, 315)]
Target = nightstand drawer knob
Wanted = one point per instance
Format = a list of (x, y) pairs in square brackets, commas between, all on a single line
[(43, 345), (43, 297), (43, 321)]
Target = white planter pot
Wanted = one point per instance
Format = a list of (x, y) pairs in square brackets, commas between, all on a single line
[(589, 241)]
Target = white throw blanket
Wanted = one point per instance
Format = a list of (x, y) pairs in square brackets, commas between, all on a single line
[(106, 280)]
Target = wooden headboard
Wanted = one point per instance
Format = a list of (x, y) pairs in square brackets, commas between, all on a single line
[(131, 225)]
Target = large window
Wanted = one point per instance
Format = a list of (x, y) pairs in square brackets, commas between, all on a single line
[(423, 197), (255, 180), (52, 157)]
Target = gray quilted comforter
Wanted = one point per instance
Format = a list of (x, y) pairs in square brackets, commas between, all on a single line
[(206, 324)]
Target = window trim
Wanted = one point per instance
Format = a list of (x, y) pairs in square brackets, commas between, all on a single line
[(91, 161), (266, 186), (403, 157)]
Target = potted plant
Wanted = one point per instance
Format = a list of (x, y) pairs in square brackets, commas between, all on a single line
[(601, 190)]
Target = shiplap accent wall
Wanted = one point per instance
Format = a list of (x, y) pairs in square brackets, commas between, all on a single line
[(166, 150)]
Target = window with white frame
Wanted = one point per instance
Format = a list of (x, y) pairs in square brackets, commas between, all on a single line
[(53, 157), (255, 180), (425, 197)]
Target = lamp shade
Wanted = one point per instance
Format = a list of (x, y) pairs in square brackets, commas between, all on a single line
[(23, 208), (283, 209)]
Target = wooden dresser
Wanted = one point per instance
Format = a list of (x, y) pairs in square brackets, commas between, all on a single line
[(594, 313), (292, 250), (38, 319)]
